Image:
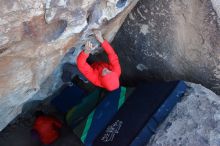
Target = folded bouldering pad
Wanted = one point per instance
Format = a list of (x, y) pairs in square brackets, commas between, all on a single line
[(141, 114), (96, 121), (79, 112)]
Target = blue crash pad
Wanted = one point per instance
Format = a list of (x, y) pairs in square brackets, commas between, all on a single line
[(140, 115), (69, 97)]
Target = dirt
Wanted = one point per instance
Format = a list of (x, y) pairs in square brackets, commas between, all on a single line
[(18, 133)]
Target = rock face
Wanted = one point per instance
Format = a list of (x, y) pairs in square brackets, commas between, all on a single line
[(194, 121), (161, 39), (171, 39), (34, 37)]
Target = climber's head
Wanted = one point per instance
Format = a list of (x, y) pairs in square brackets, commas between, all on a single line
[(110, 80), (39, 113), (105, 71)]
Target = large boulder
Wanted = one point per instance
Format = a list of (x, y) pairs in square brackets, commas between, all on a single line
[(195, 121), (170, 40), (34, 37)]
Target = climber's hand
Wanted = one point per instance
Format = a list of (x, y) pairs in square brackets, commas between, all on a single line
[(89, 47), (98, 36)]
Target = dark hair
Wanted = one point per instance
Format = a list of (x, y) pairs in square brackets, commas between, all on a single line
[(38, 113)]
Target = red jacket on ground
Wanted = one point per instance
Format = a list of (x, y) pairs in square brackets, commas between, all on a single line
[(94, 72), (48, 128)]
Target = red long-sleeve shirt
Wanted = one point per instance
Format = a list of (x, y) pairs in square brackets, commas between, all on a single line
[(94, 72)]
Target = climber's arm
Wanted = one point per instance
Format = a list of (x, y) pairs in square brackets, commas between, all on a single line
[(86, 69), (112, 56)]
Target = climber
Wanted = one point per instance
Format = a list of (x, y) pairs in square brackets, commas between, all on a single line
[(100, 73), (46, 128)]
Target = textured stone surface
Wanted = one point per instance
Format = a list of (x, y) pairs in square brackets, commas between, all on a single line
[(171, 39), (161, 39), (34, 37), (195, 121)]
